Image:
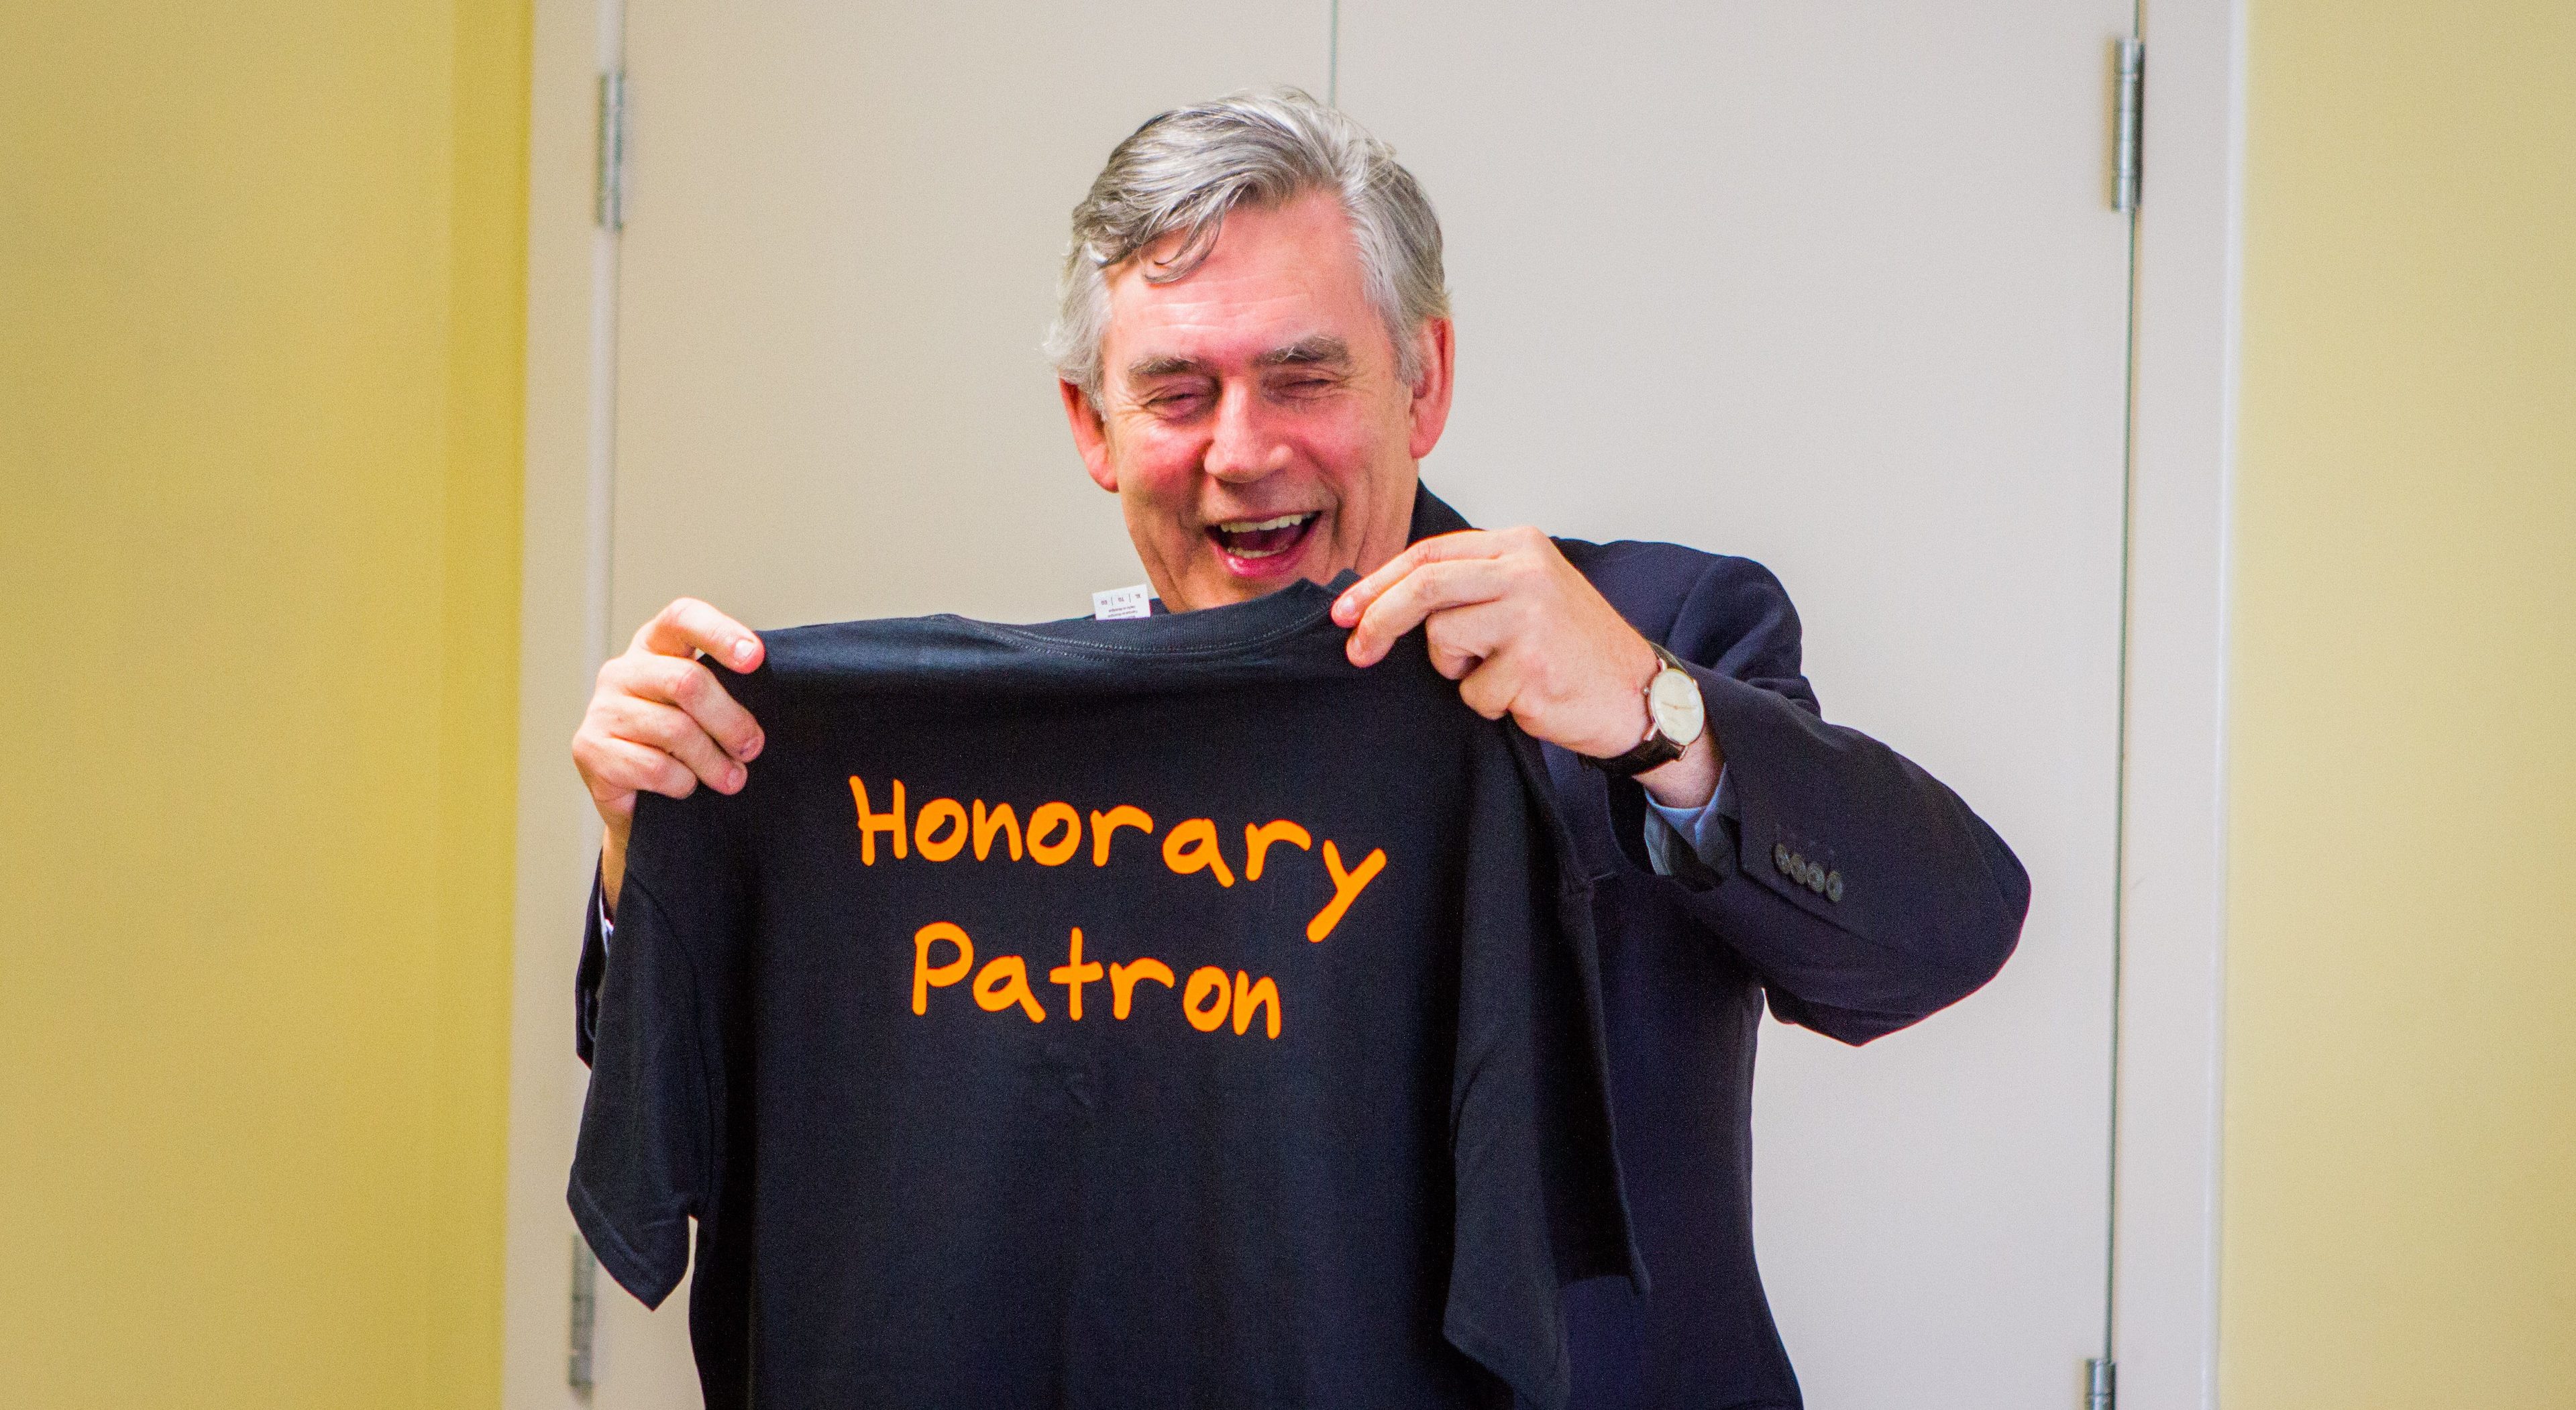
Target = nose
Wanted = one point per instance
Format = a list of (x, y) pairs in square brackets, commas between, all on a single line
[(1241, 447)]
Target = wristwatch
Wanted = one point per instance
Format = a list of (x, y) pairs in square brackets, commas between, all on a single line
[(1675, 718)]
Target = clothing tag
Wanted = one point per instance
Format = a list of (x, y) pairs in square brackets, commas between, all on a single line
[(1117, 604)]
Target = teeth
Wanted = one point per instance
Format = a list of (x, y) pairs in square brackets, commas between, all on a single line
[(1254, 526)]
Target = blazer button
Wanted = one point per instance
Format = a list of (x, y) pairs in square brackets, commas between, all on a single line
[(1833, 886), (1780, 857), (1816, 877)]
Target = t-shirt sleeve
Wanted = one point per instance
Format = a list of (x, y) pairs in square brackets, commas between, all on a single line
[(1539, 1198), (652, 1122)]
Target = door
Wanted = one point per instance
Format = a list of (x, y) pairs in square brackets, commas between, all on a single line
[(1834, 287)]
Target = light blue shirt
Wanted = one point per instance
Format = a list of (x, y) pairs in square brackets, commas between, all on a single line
[(1696, 827)]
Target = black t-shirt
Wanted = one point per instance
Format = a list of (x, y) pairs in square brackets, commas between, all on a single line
[(1157, 1012)]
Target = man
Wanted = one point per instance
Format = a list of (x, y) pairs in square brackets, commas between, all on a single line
[(1254, 352)]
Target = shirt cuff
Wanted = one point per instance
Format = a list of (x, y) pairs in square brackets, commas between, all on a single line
[(1696, 828), (608, 928)]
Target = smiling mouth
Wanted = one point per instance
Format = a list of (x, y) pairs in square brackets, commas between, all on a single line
[(1250, 541)]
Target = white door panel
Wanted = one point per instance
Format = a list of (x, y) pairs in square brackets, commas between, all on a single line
[(1837, 287), (841, 247), (1832, 286), (641, 1360)]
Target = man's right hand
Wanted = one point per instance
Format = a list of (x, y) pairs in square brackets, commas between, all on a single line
[(659, 723)]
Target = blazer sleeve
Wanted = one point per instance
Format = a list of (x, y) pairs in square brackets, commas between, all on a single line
[(1862, 892)]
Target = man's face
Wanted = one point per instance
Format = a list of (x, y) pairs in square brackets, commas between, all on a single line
[(1251, 421)]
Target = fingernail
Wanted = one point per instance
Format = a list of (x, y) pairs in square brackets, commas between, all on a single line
[(734, 777), (752, 750), (742, 652)]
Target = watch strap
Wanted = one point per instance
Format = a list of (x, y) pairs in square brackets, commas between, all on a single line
[(1657, 748)]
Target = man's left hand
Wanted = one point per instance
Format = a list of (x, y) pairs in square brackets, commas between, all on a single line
[(1524, 635)]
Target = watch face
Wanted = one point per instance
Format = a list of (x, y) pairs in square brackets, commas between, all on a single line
[(1673, 699)]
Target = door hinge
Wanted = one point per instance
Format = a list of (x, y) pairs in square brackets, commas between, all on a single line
[(578, 1369), (2101, 1383), (612, 151), (2132, 61)]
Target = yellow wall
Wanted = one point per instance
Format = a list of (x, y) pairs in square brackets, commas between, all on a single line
[(260, 272), (2400, 1196)]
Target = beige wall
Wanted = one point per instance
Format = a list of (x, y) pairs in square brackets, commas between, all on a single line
[(2400, 1186), (259, 477)]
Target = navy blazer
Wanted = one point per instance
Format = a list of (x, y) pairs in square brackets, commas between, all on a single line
[(1854, 892)]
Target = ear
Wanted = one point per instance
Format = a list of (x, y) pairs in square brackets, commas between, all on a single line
[(1090, 435), (1435, 344)]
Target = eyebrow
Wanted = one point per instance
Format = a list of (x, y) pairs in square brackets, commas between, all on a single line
[(1167, 365), (1319, 351), (1322, 350)]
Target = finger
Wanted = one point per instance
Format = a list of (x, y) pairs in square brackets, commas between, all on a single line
[(1433, 587), (1466, 543), (1453, 663), (690, 685), (624, 768), (1490, 689), (1460, 639), (688, 625), (676, 733)]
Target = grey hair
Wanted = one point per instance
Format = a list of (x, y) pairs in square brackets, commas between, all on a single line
[(1183, 171)]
